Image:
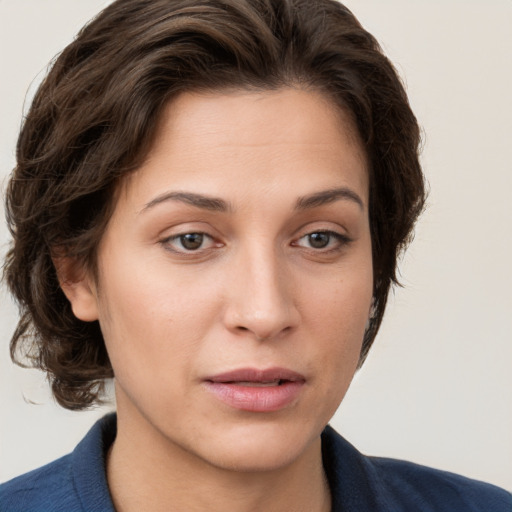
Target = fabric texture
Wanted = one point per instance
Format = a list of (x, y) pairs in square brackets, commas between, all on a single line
[(77, 482)]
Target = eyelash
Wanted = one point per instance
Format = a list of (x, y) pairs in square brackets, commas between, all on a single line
[(167, 242), (342, 241)]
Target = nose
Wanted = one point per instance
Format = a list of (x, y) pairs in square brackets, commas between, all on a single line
[(261, 295)]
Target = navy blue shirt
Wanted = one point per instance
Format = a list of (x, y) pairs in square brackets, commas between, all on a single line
[(77, 482)]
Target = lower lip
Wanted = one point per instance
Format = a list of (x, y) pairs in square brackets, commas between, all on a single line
[(256, 399)]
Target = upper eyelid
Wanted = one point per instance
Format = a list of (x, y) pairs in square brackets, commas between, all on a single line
[(188, 232), (178, 230), (308, 230), (331, 232), (211, 232)]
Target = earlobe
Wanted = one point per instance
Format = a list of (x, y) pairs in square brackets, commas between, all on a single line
[(78, 287)]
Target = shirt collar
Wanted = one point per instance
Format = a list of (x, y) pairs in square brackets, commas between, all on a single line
[(348, 472)]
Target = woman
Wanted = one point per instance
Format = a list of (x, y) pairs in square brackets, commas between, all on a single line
[(208, 205)]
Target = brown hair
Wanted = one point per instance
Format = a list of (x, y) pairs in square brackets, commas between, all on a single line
[(94, 117)]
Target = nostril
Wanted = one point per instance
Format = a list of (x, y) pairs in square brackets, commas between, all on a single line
[(260, 323)]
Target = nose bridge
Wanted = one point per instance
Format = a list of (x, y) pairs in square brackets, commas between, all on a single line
[(262, 301)]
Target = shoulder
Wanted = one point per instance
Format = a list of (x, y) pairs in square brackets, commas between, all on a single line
[(397, 485), (418, 486), (47, 488), (73, 483)]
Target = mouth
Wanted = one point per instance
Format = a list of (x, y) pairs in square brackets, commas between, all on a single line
[(253, 376), (253, 384), (254, 390)]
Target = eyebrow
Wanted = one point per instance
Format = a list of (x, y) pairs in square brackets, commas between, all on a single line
[(220, 205), (328, 196), (198, 200)]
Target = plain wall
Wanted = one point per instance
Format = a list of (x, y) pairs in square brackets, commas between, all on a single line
[(437, 386)]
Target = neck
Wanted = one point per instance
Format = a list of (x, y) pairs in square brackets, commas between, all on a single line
[(147, 472)]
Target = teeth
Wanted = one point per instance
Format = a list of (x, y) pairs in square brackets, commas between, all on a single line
[(258, 384)]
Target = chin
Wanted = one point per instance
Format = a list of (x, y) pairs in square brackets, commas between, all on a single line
[(259, 448)]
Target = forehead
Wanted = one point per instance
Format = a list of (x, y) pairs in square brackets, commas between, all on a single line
[(228, 137)]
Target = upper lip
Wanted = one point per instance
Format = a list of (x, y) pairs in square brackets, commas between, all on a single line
[(256, 375)]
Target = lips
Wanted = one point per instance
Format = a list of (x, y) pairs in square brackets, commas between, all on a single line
[(254, 390)]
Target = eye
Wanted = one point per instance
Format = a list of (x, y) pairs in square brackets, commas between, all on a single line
[(319, 240), (189, 242)]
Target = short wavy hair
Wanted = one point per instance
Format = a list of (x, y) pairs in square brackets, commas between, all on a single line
[(93, 119)]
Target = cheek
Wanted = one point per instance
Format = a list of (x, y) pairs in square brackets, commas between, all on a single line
[(336, 331), (342, 299), (150, 319), (338, 313)]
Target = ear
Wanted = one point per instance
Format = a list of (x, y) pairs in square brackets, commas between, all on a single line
[(78, 286)]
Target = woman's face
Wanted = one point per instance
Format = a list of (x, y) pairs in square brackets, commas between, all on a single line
[(235, 277)]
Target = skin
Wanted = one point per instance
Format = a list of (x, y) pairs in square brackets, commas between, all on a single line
[(255, 293)]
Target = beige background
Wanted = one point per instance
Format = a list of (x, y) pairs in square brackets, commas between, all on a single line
[(437, 387)]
